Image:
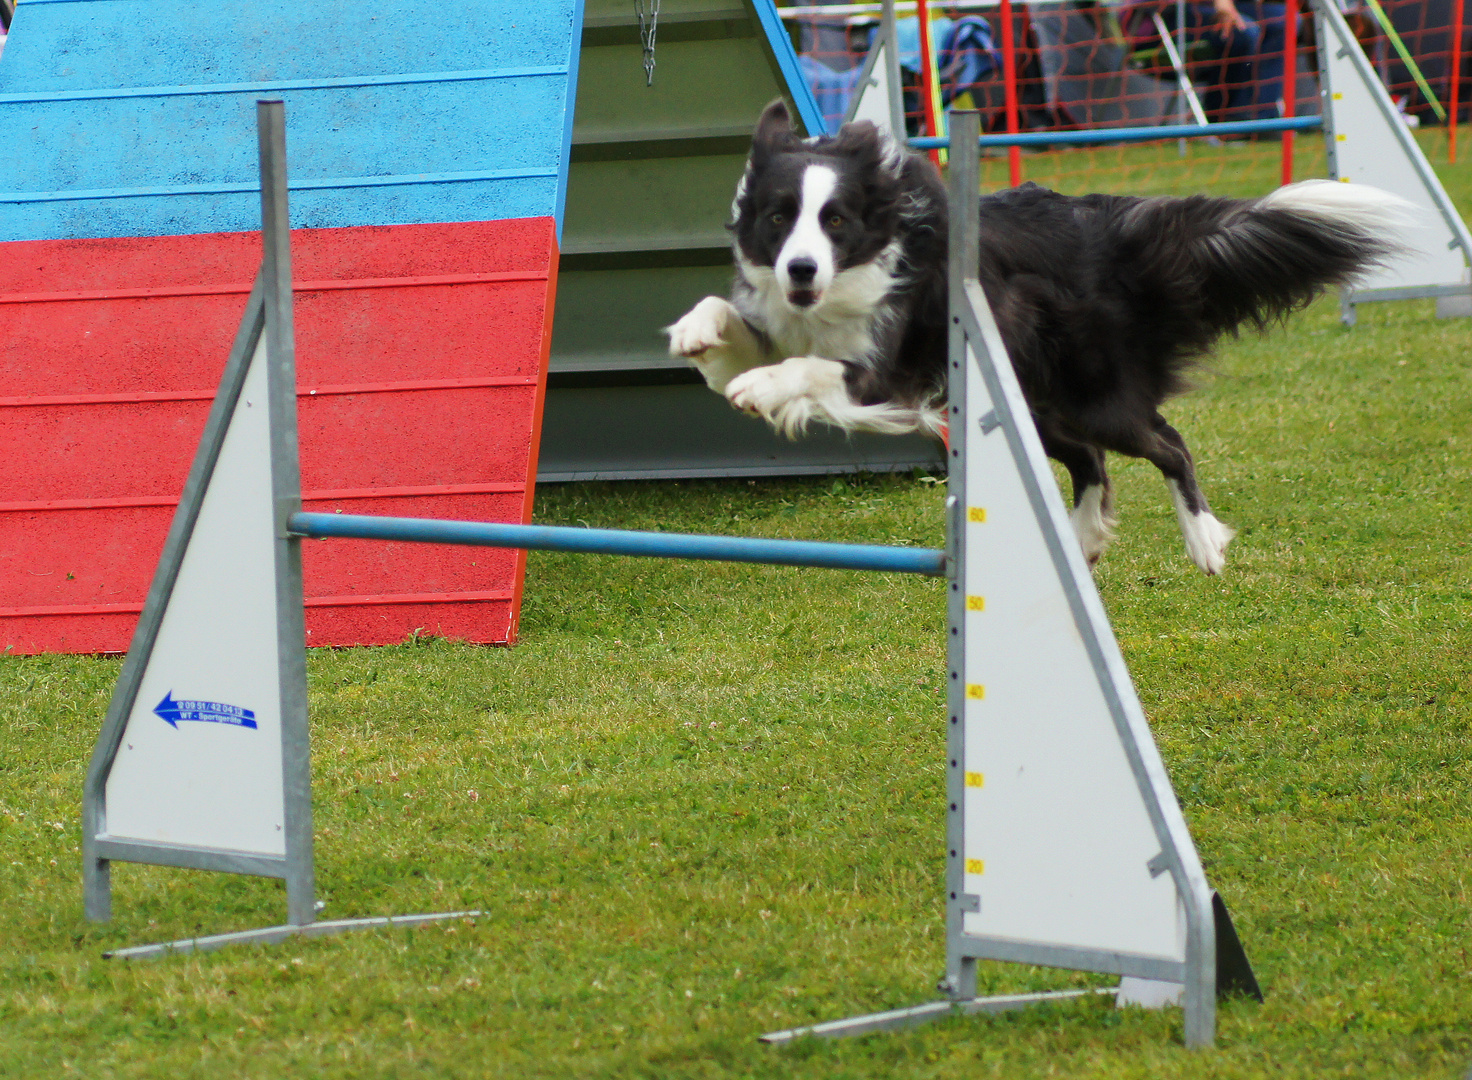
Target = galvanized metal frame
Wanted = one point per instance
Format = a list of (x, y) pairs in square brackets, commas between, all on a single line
[(915, 1015), (892, 72), (1183, 78), (273, 935), (867, 72), (1332, 32), (974, 336), (286, 493), (268, 313), (964, 129), (974, 339), (894, 91)]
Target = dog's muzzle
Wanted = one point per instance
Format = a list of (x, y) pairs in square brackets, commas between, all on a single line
[(800, 276)]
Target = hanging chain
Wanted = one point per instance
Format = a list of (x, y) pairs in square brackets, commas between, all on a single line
[(646, 35)]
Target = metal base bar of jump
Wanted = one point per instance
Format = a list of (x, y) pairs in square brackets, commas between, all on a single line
[(897, 1019), (1065, 845), (273, 935)]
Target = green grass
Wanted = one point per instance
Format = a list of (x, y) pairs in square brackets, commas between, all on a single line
[(700, 801)]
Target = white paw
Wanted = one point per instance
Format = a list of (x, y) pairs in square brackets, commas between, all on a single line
[(700, 329), (791, 394), (1092, 523), (761, 391), (1206, 541), (713, 337), (1206, 537)]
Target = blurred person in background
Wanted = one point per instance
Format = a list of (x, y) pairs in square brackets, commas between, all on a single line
[(1241, 77)]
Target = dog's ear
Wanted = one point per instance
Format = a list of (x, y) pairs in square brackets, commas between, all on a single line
[(858, 131), (773, 133), (877, 162), (862, 141)]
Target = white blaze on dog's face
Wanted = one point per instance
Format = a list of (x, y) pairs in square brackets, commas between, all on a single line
[(805, 263)]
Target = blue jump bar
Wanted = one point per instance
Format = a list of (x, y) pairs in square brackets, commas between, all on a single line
[(898, 560), (1128, 134)]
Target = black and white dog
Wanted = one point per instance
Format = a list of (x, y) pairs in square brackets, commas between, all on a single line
[(839, 308)]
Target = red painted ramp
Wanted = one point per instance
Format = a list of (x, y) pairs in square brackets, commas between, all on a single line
[(422, 350)]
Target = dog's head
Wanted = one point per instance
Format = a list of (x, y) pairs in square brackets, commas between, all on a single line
[(809, 209)]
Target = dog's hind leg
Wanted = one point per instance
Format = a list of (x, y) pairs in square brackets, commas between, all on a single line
[(1206, 537), (717, 341), (1093, 499)]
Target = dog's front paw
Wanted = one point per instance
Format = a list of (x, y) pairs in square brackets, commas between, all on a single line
[(759, 391), (713, 338), (784, 395), (701, 329)]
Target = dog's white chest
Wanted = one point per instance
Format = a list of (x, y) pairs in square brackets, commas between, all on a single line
[(844, 339)]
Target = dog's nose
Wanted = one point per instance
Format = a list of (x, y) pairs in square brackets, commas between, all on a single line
[(802, 271)]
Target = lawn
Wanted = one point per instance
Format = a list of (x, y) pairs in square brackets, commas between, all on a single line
[(700, 801)]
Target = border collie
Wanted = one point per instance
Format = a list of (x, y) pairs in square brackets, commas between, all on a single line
[(838, 313)]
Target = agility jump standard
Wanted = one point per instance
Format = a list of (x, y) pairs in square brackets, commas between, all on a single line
[(1065, 844)]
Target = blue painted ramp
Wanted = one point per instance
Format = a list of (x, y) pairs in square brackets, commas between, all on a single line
[(135, 117)]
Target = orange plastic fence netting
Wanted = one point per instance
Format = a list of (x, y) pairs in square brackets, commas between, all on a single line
[(1081, 65)]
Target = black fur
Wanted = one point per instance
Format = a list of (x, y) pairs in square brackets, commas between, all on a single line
[(1106, 302)]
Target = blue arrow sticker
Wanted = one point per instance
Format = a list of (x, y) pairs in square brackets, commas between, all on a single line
[(210, 712)]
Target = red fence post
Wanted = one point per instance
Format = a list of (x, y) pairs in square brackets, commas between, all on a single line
[(1290, 81), (927, 76), (1455, 72), (1009, 78)]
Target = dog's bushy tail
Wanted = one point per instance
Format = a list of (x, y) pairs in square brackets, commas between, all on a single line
[(1255, 261)]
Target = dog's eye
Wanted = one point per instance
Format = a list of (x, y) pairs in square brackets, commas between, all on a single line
[(778, 219), (835, 220)]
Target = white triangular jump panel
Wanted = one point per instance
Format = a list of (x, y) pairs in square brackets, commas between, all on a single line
[(1058, 840), (200, 760), (203, 760), (1369, 143), (871, 100)]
